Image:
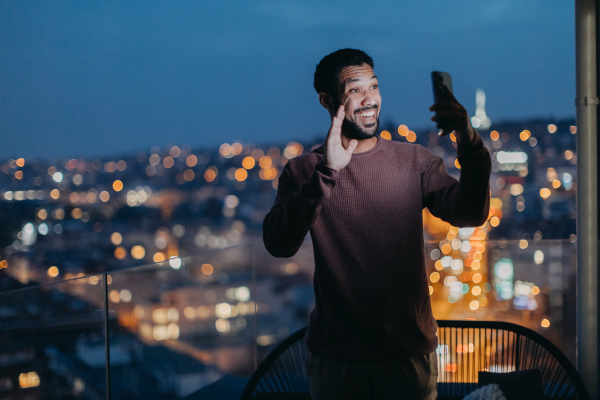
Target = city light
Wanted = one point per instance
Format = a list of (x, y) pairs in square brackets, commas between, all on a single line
[(114, 296), (138, 252), (516, 189), (545, 193), (248, 162), (257, 154), (512, 157), (545, 323), (116, 238), (292, 150), (117, 185), (210, 174), (43, 229), (225, 150), (125, 296), (207, 269), (159, 257), (175, 151), (29, 379), (154, 160), (120, 253), (168, 162), (175, 262), (386, 135), (403, 130), (265, 162), (191, 160), (241, 174), (189, 175)]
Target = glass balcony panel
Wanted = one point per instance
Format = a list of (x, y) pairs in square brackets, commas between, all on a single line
[(53, 341), (183, 325)]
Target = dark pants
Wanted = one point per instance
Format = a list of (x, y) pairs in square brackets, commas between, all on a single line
[(411, 378)]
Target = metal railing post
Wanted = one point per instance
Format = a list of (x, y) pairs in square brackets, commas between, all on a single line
[(106, 335), (587, 195)]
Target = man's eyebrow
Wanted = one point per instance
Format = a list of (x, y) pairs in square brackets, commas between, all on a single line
[(350, 80)]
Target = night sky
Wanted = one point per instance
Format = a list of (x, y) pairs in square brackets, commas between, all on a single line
[(102, 78)]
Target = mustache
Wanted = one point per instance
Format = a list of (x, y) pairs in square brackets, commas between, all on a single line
[(359, 110)]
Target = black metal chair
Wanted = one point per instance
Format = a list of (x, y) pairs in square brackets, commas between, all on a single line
[(465, 348)]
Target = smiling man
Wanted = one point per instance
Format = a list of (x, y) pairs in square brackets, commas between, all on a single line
[(372, 334)]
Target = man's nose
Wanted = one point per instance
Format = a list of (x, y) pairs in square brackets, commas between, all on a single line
[(368, 100)]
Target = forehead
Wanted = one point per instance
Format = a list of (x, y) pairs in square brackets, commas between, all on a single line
[(356, 72)]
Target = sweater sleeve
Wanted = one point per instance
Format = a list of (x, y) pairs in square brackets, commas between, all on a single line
[(464, 202), (295, 209)]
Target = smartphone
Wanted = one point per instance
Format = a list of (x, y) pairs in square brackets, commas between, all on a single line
[(439, 93)]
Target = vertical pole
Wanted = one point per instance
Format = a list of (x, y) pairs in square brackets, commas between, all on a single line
[(255, 297), (587, 195), (106, 337)]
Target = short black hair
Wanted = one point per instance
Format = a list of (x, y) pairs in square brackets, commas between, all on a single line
[(328, 70)]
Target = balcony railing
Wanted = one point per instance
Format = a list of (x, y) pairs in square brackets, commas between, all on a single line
[(198, 326)]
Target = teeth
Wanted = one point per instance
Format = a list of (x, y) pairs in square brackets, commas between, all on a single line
[(367, 114)]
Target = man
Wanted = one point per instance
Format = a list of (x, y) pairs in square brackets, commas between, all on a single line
[(372, 334)]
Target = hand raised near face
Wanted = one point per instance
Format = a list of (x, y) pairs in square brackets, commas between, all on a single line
[(335, 156), (450, 116)]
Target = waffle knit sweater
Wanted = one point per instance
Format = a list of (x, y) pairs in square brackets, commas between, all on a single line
[(366, 223)]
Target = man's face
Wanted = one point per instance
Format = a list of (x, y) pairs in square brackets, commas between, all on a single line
[(359, 93)]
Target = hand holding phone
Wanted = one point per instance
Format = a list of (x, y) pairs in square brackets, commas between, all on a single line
[(450, 114)]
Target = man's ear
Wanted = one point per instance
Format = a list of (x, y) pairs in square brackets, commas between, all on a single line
[(327, 101)]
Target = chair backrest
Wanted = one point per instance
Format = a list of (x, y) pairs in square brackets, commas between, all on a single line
[(282, 371), (467, 347), (464, 349)]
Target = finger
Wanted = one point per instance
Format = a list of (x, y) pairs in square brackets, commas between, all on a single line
[(339, 117), (446, 104), (352, 145), (450, 114), (444, 132), (336, 122)]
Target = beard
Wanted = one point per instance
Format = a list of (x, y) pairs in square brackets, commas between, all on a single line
[(352, 130)]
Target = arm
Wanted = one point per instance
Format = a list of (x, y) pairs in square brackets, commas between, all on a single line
[(290, 218), (464, 202), (295, 209)]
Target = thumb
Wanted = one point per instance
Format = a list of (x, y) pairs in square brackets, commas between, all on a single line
[(352, 145)]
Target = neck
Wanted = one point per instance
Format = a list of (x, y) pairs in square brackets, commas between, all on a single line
[(363, 144)]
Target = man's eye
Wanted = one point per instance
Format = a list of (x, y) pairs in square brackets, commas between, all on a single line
[(353, 90), (375, 87)]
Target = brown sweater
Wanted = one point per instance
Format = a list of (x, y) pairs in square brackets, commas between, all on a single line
[(366, 224)]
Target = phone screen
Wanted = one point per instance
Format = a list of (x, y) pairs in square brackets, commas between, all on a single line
[(437, 78)]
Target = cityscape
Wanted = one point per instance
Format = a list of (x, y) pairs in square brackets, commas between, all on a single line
[(179, 232)]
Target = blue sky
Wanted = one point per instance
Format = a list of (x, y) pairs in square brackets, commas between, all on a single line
[(101, 78)]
